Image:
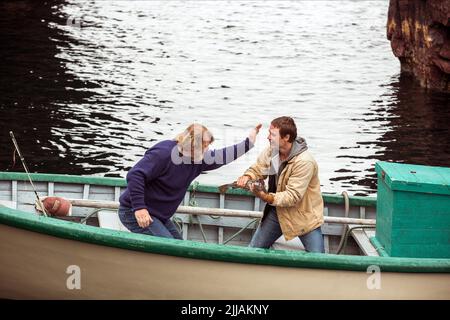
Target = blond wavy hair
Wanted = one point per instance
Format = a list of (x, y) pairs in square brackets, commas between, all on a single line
[(194, 137)]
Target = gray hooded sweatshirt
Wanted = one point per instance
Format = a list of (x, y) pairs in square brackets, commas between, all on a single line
[(276, 167)]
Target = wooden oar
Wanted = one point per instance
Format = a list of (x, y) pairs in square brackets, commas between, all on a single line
[(215, 212)]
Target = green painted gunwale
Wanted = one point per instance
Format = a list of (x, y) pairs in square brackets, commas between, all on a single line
[(197, 250), (120, 182)]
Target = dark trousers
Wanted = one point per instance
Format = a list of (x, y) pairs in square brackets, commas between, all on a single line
[(157, 228)]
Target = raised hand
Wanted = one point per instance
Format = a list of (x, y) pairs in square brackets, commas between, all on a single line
[(254, 132)]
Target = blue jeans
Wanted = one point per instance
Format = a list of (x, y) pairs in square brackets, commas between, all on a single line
[(157, 228), (269, 231)]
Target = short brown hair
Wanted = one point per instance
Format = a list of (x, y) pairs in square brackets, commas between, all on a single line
[(286, 125)]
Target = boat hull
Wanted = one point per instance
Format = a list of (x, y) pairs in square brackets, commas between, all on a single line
[(34, 266)]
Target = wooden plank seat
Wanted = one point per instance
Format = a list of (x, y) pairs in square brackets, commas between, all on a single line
[(109, 219), (362, 238), (9, 204)]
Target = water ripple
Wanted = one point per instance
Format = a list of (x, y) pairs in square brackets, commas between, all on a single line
[(91, 100)]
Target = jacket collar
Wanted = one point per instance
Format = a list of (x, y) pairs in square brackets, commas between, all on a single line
[(298, 146)]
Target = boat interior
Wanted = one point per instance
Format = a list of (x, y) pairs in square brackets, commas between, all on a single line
[(339, 238)]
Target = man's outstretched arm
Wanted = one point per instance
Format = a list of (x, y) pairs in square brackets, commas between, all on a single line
[(214, 159)]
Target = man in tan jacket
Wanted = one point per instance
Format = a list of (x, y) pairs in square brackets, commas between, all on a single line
[(294, 201)]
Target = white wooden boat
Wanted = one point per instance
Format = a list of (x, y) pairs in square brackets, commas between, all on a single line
[(60, 258)]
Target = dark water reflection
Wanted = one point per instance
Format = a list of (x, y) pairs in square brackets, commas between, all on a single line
[(36, 90), (419, 122), (416, 123), (34, 87), (90, 101)]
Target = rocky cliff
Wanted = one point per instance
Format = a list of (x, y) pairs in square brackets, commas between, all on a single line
[(419, 31)]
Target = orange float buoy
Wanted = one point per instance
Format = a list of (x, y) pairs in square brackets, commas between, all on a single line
[(57, 206)]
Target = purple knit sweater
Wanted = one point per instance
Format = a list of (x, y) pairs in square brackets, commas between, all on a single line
[(158, 183)]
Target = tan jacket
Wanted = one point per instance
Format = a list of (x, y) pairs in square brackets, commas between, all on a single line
[(298, 199)]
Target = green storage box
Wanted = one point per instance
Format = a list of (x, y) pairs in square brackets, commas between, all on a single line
[(413, 210)]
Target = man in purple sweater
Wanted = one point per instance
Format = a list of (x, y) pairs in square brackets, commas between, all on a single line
[(158, 182)]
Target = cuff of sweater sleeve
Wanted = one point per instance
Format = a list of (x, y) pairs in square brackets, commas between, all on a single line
[(249, 144), (139, 208)]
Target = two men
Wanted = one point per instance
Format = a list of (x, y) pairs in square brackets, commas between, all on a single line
[(158, 182)]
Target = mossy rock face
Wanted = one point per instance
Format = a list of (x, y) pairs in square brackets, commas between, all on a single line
[(418, 33)]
